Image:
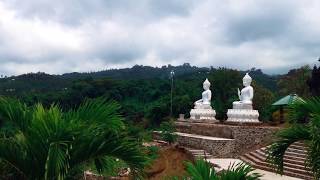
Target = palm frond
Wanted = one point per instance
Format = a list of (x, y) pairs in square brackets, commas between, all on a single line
[(313, 156), (201, 170), (104, 164), (16, 112), (49, 143), (285, 138), (313, 105), (309, 133), (12, 153), (112, 145), (239, 171), (303, 109), (100, 111), (57, 163)]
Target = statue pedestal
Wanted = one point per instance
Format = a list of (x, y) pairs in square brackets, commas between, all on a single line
[(203, 114), (242, 106), (243, 116)]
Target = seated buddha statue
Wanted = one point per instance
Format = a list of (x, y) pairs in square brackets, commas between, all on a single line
[(205, 102), (245, 95)]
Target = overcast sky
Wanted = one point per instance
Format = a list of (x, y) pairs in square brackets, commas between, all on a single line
[(89, 35)]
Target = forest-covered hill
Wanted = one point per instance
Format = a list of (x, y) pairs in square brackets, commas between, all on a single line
[(144, 92), (41, 82)]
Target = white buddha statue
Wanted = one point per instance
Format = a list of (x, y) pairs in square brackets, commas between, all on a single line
[(203, 111), (245, 95), (205, 102), (242, 111)]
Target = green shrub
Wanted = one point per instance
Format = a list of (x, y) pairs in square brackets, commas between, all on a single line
[(168, 132)]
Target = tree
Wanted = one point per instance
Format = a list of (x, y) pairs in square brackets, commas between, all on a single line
[(308, 133), (47, 143), (224, 89), (157, 111), (262, 101), (295, 82), (314, 82)]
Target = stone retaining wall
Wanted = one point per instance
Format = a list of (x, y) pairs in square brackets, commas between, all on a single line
[(220, 148), (204, 129), (217, 148), (246, 137)]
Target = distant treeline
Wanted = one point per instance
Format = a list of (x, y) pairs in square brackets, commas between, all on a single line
[(144, 91)]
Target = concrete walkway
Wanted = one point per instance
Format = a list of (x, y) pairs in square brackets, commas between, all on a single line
[(224, 164)]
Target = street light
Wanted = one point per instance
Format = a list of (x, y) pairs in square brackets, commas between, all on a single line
[(171, 76)]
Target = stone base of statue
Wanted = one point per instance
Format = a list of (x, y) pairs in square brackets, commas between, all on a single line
[(242, 113), (205, 112), (242, 106)]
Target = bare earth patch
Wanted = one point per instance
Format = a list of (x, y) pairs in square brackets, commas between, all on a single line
[(170, 163)]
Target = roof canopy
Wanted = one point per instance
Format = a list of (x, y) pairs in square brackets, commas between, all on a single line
[(287, 100)]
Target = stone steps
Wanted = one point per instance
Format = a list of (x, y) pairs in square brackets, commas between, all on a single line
[(202, 154), (198, 153), (294, 169), (287, 158), (286, 172), (262, 159), (294, 159), (292, 153), (298, 146)]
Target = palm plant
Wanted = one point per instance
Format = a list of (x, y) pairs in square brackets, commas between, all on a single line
[(202, 170), (168, 131), (308, 133), (48, 143), (240, 171)]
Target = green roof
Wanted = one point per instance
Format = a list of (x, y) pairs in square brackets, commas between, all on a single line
[(287, 100)]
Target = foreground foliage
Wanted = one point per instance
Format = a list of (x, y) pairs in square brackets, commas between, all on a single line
[(51, 144), (308, 133), (202, 170)]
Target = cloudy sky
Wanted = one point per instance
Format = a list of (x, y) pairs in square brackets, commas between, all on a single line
[(89, 35)]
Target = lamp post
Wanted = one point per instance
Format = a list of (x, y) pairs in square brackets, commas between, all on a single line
[(171, 76)]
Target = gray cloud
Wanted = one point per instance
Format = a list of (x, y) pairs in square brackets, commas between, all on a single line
[(260, 20), (242, 29), (81, 35), (75, 12)]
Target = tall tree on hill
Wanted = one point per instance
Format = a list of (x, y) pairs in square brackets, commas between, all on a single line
[(224, 87), (262, 101), (295, 82), (314, 81)]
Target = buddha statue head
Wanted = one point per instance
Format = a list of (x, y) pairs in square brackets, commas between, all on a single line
[(206, 84), (247, 80)]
